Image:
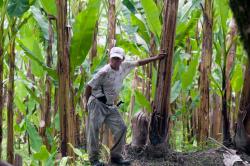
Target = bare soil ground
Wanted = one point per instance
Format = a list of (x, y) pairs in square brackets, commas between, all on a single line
[(160, 156)]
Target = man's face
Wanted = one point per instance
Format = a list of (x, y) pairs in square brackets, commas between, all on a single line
[(115, 63)]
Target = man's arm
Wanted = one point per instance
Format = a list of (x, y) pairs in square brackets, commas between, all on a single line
[(88, 91), (151, 59)]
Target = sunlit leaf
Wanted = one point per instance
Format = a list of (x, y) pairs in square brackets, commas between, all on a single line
[(128, 45), (35, 139), (76, 151), (237, 78), (33, 95), (36, 69), (154, 79), (41, 21), (187, 8), (43, 154), (51, 160), (31, 104), (223, 9), (32, 43), (142, 31), (20, 94), (175, 91), (20, 90), (218, 53), (184, 28), (98, 63), (85, 156), (17, 7), (152, 16), (1, 3), (20, 105), (142, 75), (49, 6), (216, 82), (83, 31), (30, 54), (188, 76), (80, 89), (195, 95), (143, 100), (63, 161), (17, 128), (57, 122), (178, 67)]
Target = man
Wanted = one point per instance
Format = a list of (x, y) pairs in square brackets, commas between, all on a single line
[(101, 92)]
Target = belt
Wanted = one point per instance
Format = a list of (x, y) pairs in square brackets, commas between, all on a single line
[(102, 100)]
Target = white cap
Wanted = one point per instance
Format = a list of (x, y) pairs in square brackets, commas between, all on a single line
[(117, 52)]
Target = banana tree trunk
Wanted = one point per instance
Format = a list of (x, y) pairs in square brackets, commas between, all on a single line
[(132, 99), (236, 100), (225, 114), (230, 58), (107, 136), (56, 103), (230, 61), (140, 121), (2, 40), (77, 130), (18, 160), (241, 14), (67, 119), (10, 114), (139, 125), (93, 52), (63, 100), (203, 126), (1, 90), (226, 97), (152, 49), (111, 24), (46, 111), (215, 126), (189, 119), (242, 135), (148, 81), (31, 77), (81, 138), (160, 118), (194, 122)]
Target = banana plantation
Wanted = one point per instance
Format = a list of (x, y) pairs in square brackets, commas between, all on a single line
[(190, 106)]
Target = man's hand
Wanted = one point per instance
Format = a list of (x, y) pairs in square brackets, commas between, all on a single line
[(86, 107), (151, 59), (161, 55), (87, 94), (85, 104)]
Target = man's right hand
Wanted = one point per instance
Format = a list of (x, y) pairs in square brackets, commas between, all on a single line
[(161, 56), (88, 91), (85, 104), (86, 107)]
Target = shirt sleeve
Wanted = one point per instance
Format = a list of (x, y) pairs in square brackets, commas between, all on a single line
[(97, 79), (128, 66)]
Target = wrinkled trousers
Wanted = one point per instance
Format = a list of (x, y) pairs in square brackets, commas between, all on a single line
[(100, 113)]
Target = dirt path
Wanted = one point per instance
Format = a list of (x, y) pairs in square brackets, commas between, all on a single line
[(158, 156)]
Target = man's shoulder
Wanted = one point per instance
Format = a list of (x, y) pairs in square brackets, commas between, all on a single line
[(129, 63), (103, 71)]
